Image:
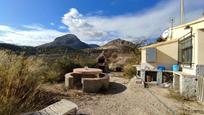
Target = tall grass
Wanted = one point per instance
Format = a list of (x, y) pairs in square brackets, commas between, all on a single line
[(21, 78)]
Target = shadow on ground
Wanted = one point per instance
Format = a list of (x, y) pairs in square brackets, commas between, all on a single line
[(114, 88)]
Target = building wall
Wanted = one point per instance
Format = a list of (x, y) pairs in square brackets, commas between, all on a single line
[(167, 55), (144, 60), (198, 55), (179, 31), (143, 57), (200, 45), (198, 41)]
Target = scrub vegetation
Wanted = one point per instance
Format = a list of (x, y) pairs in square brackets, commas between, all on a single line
[(21, 78)]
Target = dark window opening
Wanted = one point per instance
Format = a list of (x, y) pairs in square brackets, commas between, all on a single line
[(185, 51)]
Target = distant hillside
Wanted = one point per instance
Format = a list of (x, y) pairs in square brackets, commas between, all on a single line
[(69, 43), (28, 50), (57, 50), (118, 52), (18, 49), (94, 45), (118, 44), (69, 40)]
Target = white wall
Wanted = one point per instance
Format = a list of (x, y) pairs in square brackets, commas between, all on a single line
[(166, 55), (200, 45)]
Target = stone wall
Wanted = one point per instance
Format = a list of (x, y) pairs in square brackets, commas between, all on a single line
[(87, 82), (188, 86), (93, 85), (200, 70), (200, 89), (73, 80)]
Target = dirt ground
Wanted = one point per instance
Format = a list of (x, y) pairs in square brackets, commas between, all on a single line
[(126, 97)]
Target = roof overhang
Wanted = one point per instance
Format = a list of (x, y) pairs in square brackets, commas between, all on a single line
[(159, 44), (190, 23)]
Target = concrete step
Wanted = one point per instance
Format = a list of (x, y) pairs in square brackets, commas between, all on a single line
[(63, 107)]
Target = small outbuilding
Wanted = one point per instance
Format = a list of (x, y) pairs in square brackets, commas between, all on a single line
[(182, 48)]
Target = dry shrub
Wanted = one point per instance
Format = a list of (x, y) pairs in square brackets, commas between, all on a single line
[(129, 70), (20, 79), (65, 64), (114, 55)]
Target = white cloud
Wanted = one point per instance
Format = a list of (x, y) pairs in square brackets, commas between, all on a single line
[(34, 27), (149, 23), (79, 26), (5, 28), (30, 35), (95, 28)]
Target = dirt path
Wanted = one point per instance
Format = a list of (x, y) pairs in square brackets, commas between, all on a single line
[(124, 98)]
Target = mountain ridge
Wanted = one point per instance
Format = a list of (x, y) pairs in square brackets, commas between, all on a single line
[(118, 44), (68, 40)]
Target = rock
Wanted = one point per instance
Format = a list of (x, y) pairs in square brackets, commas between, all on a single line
[(63, 107)]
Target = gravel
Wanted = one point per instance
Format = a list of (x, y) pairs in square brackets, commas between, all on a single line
[(124, 98)]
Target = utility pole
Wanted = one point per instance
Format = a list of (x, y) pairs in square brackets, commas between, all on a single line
[(182, 12), (172, 25)]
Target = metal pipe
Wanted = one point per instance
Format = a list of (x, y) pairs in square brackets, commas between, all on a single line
[(182, 12)]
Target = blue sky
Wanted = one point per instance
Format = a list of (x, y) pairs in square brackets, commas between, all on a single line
[(35, 22), (21, 12)]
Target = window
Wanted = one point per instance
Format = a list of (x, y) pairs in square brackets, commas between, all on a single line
[(185, 51), (151, 54)]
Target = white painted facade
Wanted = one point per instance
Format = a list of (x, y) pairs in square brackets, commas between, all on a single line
[(167, 54), (167, 51)]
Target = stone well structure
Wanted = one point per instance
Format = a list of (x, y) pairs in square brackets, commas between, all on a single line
[(90, 83)]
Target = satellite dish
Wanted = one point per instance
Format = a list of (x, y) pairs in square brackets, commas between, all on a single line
[(165, 34)]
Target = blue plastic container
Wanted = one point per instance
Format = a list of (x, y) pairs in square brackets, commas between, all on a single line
[(161, 68), (175, 67)]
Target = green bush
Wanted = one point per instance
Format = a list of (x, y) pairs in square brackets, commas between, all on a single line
[(129, 71), (65, 64)]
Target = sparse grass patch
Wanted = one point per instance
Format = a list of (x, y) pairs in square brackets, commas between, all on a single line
[(175, 95)]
